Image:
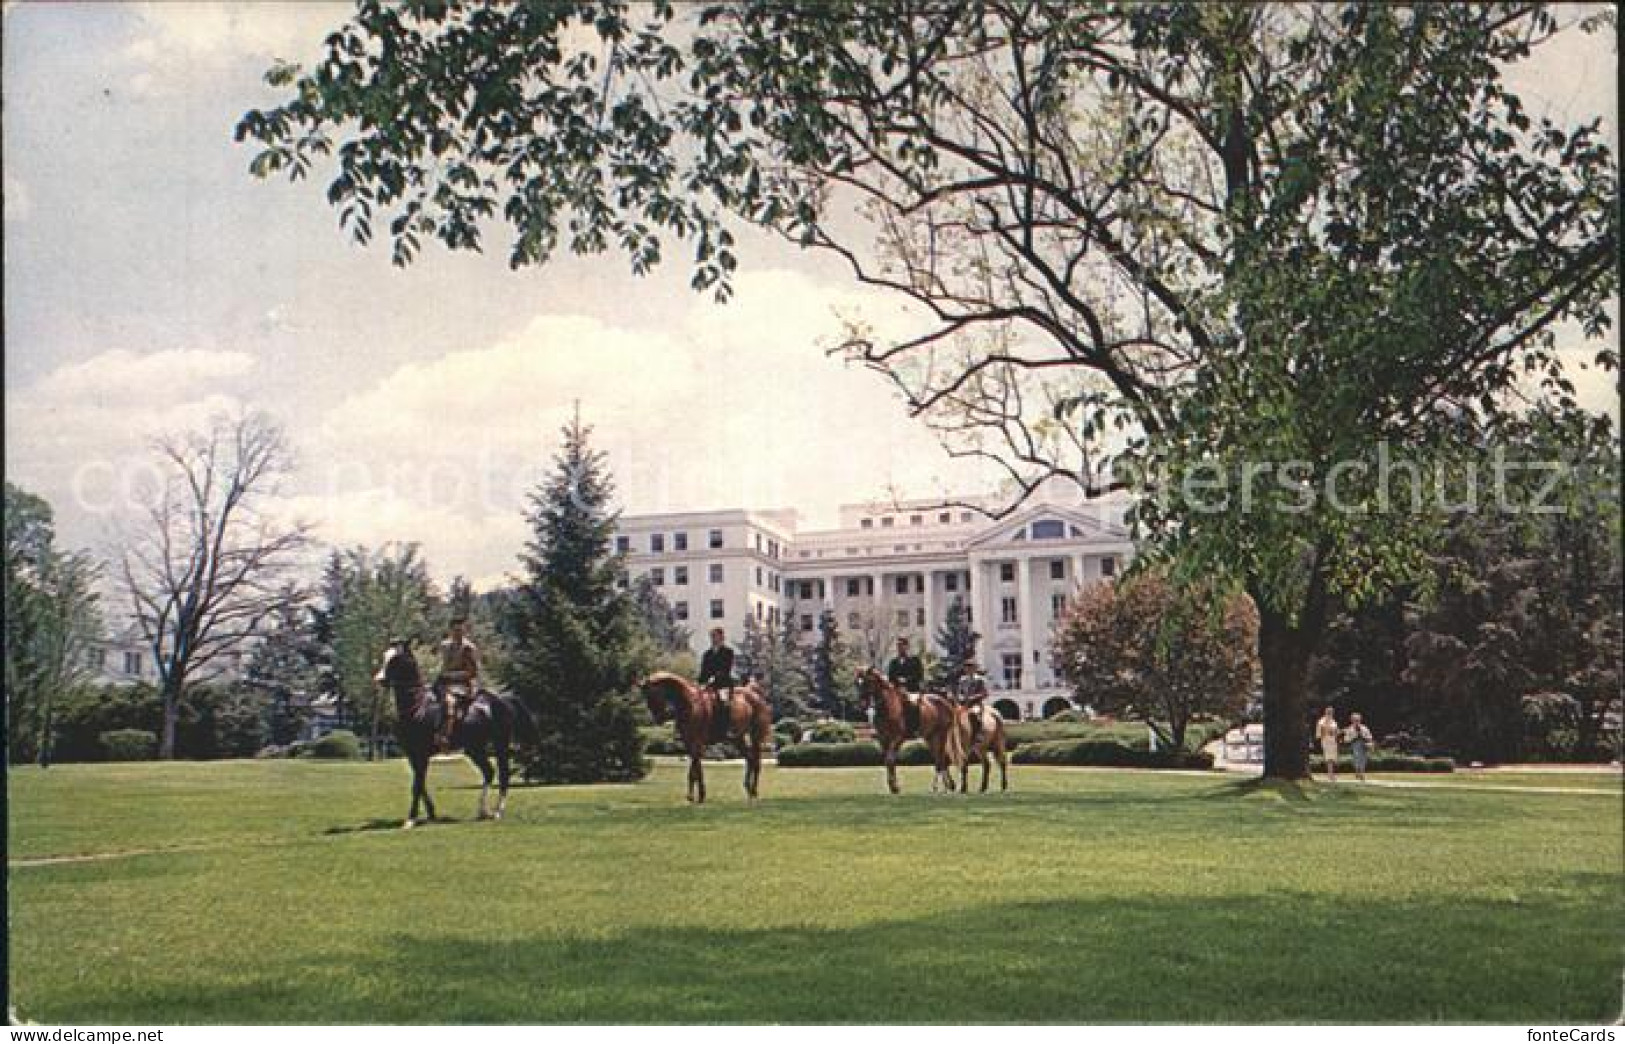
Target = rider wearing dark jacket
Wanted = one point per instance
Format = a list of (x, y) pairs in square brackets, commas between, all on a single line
[(905, 670), (717, 665)]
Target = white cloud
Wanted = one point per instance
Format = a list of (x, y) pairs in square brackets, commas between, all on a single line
[(174, 41)]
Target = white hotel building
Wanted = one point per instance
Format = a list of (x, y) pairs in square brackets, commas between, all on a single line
[(891, 570)]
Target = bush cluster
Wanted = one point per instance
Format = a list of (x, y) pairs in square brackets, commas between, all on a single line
[(1107, 753), (1388, 762), (128, 745), (833, 732), (338, 745), (850, 755)]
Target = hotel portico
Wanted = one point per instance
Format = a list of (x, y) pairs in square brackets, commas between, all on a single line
[(891, 570)]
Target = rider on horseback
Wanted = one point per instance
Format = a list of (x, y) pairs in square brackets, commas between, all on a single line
[(717, 666), (905, 670), (970, 693), (458, 681)]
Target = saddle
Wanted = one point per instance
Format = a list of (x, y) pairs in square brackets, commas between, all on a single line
[(911, 712)]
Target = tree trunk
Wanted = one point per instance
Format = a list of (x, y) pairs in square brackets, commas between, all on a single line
[(172, 704), (1284, 651)]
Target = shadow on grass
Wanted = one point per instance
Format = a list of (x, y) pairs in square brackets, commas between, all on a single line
[(1545, 957), (397, 823)]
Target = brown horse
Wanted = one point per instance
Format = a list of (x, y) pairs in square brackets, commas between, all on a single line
[(900, 716), (965, 750), (701, 719)]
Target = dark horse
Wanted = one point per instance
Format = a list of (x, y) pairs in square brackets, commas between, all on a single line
[(491, 721), (698, 712), (900, 716)]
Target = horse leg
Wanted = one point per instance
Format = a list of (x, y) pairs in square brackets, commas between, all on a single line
[(891, 766), (987, 768), (504, 773), (1004, 769), (417, 791), (696, 779), (476, 754)]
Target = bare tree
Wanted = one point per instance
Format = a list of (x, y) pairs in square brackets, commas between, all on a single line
[(206, 566)]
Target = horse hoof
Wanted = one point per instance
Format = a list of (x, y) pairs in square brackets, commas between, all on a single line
[(409, 824)]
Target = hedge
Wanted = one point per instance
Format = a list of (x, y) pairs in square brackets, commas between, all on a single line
[(850, 755), (128, 745), (1383, 762), (1109, 754), (833, 732), (339, 744)]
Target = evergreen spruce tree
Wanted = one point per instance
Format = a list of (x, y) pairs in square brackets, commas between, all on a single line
[(831, 665), (571, 629), (957, 640)]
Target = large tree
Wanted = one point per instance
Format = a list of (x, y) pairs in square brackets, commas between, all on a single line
[(572, 629), (207, 565), (52, 622), (1160, 652), (1204, 237)]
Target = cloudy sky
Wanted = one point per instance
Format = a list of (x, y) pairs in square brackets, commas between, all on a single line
[(151, 282)]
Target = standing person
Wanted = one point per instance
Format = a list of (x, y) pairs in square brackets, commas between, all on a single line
[(717, 666), (906, 670), (1326, 732), (459, 677), (1359, 741)]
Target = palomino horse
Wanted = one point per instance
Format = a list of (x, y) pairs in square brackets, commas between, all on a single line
[(900, 716), (965, 750), (748, 721), (491, 720)]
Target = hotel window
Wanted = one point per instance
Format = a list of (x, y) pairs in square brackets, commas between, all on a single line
[(715, 574), (1007, 572), (852, 621), (867, 523), (950, 583), (1048, 529), (1057, 605), (964, 516), (902, 585), (623, 544), (761, 611), (853, 587), (772, 549), (716, 608), (944, 518), (679, 541), (759, 581), (919, 584), (1108, 566), (806, 621), (680, 576), (806, 589), (714, 538), (1008, 608), (657, 542), (886, 523), (1057, 569), (758, 541), (916, 520), (680, 610), (657, 577), (1012, 670), (902, 617), (919, 616), (132, 663)]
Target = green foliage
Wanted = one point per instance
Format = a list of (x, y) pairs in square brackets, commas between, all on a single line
[(830, 755), (1388, 762), (771, 655), (51, 624), (128, 745), (339, 745), (786, 733), (374, 598), (833, 732), (957, 639), (1107, 754), (572, 632)]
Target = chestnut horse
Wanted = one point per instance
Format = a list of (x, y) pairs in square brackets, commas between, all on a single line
[(700, 718), (989, 740), (491, 720), (901, 716)]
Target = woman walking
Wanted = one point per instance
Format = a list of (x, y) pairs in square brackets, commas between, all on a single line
[(1359, 740), (1326, 732)]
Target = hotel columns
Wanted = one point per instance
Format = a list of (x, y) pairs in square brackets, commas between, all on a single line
[(1024, 614)]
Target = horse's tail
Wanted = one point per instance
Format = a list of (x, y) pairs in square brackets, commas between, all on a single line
[(955, 743), (524, 721)]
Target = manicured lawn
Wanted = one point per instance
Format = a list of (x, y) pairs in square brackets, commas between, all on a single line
[(282, 892)]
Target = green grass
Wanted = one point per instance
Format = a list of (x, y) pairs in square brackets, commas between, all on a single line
[(268, 892)]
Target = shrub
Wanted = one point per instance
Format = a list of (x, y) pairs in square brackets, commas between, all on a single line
[(1387, 762), (1068, 717), (833, 732), (339, 744), (829, 755), (129, 745), (786, 733), (1107, 753)]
